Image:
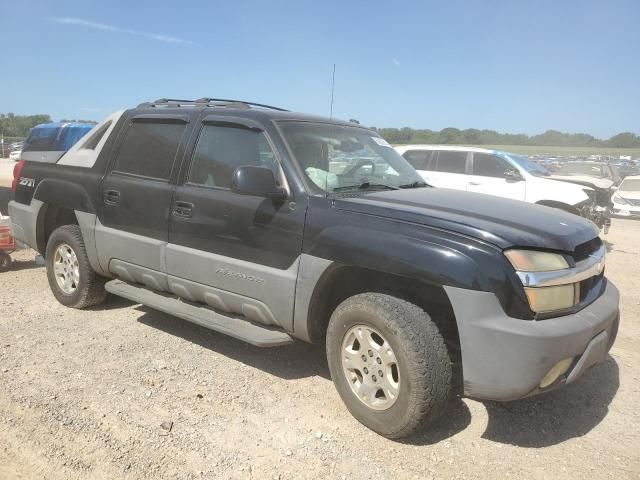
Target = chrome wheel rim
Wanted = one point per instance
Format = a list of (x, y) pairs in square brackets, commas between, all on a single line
[(66, 269), (370, 367)]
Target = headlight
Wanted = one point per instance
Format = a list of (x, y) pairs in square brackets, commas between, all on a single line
[(535, 261), (618, 199), (548, 298)]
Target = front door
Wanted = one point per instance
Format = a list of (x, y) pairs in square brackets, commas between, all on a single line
[(236, 253), (449, 169), (489, 176)]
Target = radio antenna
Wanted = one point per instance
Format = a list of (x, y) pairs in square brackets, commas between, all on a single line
[(333, 84)]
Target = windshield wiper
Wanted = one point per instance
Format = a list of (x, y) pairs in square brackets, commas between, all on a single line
[(364, 186), (416, 184)]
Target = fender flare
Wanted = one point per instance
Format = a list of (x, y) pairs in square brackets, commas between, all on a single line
[(64, 194)]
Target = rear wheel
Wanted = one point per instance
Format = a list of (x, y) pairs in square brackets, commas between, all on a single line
[(389, 363), (71, 278)]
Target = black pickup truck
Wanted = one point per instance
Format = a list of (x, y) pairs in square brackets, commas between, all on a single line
[(271, 226)]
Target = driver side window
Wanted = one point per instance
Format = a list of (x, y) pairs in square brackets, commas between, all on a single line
[(221, 149), (486, 165)]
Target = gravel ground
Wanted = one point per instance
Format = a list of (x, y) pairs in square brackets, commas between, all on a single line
[(122, 391)]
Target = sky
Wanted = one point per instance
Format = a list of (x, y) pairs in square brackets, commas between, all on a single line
[(513, 66)]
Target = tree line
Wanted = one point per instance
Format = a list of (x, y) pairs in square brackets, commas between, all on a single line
[(12, 125), (472, 136)]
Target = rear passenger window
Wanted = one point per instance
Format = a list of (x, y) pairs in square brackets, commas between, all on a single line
[(220, 150), (487, 165), (95, 138), (419, 159), (150, 149), (451, 162)]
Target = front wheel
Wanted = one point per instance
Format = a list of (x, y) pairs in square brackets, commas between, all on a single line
[(389, 363), (71, 278)]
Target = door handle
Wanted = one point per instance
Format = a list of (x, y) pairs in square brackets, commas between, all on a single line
[(475, 183), (183, 209), (111, 197)]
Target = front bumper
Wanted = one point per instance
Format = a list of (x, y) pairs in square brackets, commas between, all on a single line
[(505, 358)]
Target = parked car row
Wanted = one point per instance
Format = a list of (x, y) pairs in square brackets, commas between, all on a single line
[(626, 200), (508, 175)]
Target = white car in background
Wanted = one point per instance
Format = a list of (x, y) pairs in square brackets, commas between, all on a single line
[(626, 200), (15, 155), (501, 174)]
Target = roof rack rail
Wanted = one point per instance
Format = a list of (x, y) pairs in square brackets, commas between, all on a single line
[(209, 102)]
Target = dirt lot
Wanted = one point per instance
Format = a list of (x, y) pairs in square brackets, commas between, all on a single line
[(123, 391)]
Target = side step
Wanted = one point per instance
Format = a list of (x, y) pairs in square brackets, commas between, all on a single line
[(260, 336)]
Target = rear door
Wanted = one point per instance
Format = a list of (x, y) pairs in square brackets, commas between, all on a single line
[(237, 253), (488, 176), (449, 169), (133, 218), (421, 161)]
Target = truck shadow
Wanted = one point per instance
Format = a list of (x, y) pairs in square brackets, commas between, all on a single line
[(557, 416), (24, 265), (535, 422), (6, 195), (298, 360)]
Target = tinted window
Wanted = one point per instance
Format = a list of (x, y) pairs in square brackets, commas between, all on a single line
[(487, 165), (221, 150), (149, 149), (95, 138), (419, 159), (451, 162)]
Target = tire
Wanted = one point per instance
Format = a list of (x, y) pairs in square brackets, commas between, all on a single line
[(423, 370), (86, 287), (5, 262)]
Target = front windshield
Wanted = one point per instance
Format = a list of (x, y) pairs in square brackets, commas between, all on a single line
[(531, 167), (342, 158), (630, 185), (589, 169)]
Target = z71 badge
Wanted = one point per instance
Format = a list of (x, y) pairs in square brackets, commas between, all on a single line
[(27, 182)]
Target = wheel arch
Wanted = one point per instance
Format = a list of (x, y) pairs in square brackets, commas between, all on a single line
[(61, 199), (51, 217), (339, 282)]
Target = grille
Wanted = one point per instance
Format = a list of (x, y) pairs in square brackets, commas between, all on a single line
[(583, 250), (587, 286)]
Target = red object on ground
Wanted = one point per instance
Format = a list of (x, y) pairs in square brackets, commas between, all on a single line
[(7, 243)]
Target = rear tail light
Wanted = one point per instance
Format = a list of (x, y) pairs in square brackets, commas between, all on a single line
[(17, 171)]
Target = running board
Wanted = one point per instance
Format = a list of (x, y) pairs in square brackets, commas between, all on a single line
[(236, 327)]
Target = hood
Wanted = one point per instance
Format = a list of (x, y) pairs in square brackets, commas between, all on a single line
[(502, 222), (587, 181)]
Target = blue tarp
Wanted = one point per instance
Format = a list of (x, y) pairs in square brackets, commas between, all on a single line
[(55, 137)]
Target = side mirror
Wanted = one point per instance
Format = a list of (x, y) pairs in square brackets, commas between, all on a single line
[(513, 176), (256, 181)]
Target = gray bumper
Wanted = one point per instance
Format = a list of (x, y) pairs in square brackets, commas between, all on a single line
[(505, 358), (24, 220)]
